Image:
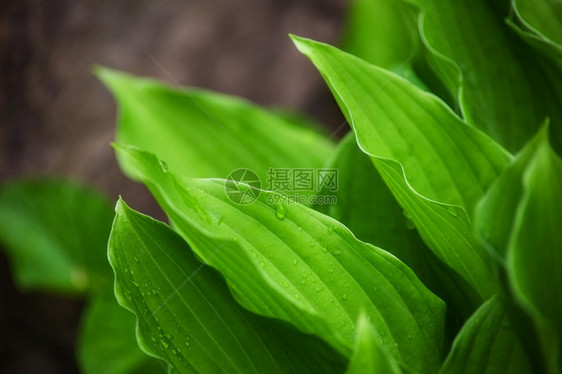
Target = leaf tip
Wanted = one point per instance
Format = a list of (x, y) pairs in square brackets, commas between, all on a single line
[(112, 79), (303, 44), (106, 75), (121, 207)]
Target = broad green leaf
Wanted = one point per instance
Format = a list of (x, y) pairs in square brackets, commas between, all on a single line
[(487, 344), (384, 33), (203, 134), (107, 342), (369, 356), (187, 316), (55, 233), (534, 257), (495, 213), (445, 160), (436, 166), (500, 85), (367, 207), (298, 265)]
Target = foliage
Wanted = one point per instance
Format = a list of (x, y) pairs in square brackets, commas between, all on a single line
[(442, 254)]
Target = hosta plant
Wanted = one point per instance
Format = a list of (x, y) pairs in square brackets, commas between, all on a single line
[(426, 241)]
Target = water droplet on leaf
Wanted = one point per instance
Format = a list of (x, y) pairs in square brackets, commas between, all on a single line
[(280, 211)]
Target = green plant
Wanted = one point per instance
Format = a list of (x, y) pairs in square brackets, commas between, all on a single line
[(443, 252)]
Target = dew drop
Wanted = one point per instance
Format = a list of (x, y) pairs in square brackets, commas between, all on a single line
[(164, 166), (136, 259), (410, 337), (135, 284), (344, 296), (164, 344), (336, 252), (280, 211), (295, 261)]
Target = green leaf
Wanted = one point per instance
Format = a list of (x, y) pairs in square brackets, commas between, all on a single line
[(501, 86), (365, 205), (298, 265), (107, 342), (445, 159), (487, 344), (384, 33), (204, 134), (186, 314), (369, 356), (495, 213), (55, 234), (534, 256), (436, 166)]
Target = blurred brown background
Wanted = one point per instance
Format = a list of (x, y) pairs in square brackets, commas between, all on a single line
[(55, 118)]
